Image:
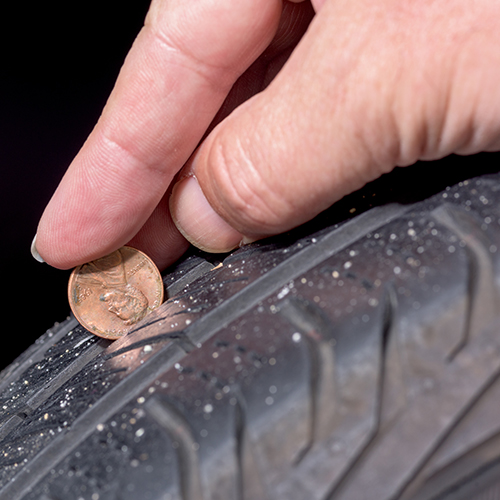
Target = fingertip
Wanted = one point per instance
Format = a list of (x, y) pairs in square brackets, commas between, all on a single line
[(65, 246), (43, 250), (58, 258), (198, 222)]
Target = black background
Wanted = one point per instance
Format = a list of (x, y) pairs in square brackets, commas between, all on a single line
[(58, 65)]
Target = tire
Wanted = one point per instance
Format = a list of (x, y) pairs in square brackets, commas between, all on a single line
[(357, 357)]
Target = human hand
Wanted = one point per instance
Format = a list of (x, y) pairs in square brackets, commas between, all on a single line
[(370, 86)]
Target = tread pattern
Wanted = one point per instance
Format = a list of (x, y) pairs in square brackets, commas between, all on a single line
[(361, 361)]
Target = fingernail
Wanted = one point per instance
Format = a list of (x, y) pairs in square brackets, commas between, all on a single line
[(247, 240), (197, 220), (34, 251)]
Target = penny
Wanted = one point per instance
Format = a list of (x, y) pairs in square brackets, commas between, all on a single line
[(108, 296)]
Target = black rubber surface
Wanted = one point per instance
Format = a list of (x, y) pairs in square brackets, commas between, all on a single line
[(355, 358)]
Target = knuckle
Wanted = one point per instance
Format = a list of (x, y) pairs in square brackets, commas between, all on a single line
[(245, 189)]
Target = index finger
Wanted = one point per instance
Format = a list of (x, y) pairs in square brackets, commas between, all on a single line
[(174, 79)]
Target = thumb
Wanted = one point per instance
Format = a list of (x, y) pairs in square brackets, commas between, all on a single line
[(282, 156), (370, 86)]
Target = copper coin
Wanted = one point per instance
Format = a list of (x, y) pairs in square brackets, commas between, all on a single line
[(108, 296)]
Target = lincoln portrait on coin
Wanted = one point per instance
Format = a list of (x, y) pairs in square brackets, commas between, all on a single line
[(127, 302)]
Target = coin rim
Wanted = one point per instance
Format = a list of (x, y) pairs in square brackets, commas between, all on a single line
[(84, 323)]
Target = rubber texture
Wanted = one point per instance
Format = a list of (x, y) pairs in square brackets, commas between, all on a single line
[(357, 357)]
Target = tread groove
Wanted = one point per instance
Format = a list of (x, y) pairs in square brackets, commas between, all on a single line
[(67, 373), (442, 437), (178, 428), (389, 306), (309, 320), (193, 274), (239, 435), (250, 482), (52, 385), (37, 354), (482, 297)]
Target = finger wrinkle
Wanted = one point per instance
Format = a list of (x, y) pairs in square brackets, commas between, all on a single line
[(124, 166), (128, 162), (218, 76), (248, 189)]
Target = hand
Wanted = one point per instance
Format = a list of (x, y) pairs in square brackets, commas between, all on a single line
[(370, 86)]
